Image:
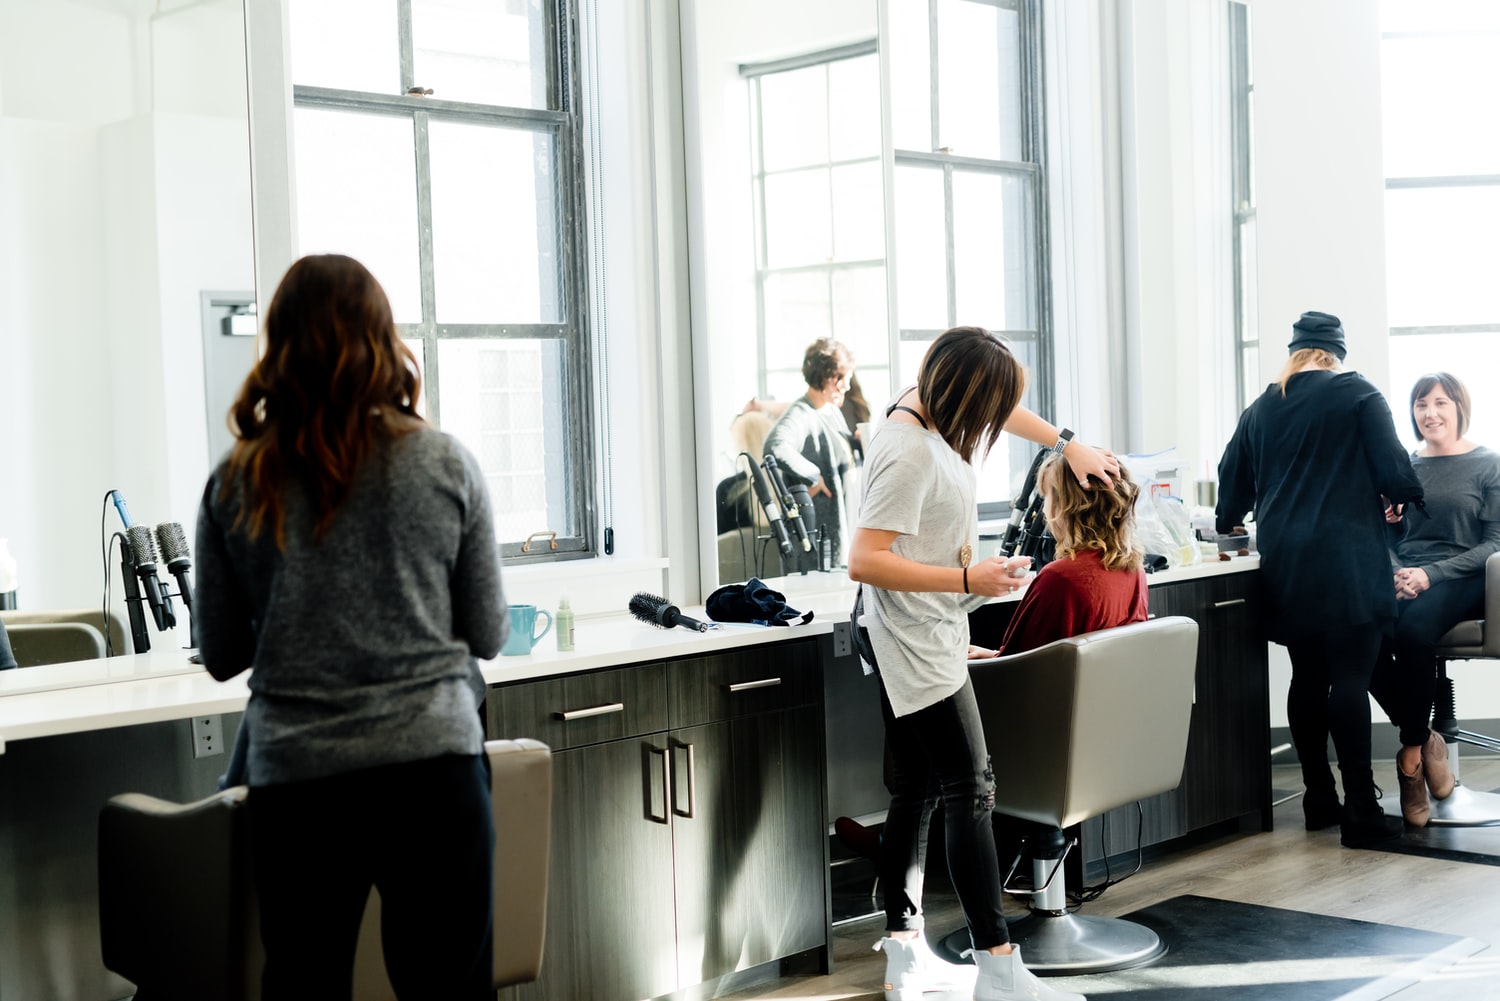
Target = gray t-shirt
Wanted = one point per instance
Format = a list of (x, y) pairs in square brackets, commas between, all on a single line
[(363, 644), (1460, 526), (918, 486)]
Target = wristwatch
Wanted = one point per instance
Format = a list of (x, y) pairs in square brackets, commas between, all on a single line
[(1063, 437)]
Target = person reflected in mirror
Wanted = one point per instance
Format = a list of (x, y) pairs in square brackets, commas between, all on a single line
[(734, 496), (7, 658), (1312, 457), (1440, 554), (347, 558), (911, 555), (1097, 580), (810, 442)]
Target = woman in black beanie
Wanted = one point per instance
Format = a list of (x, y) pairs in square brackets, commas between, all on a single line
[(1317, 459)]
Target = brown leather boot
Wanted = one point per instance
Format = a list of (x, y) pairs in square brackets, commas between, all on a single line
[(1415, 806), (1436, 767)]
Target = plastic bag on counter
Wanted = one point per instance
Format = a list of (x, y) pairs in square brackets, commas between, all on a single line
[(1162, 527)]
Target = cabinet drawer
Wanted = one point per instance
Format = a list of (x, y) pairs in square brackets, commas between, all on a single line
[(743, 682), (582, 709)]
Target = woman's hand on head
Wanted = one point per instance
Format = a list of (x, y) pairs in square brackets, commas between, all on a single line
[(1087, 461)]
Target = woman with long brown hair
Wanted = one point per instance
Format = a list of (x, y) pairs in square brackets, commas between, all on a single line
[(347, 555)]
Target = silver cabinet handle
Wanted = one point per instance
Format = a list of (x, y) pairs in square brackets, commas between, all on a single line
[(1227, 604), (745, 686), (692, 777), (666, 789), (572, 714)]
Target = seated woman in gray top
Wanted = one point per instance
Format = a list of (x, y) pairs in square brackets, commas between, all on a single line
[(7, 659), (1439, 579), (346, 554)]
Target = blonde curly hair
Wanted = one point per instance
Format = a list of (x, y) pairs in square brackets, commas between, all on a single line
[(1101, 517)]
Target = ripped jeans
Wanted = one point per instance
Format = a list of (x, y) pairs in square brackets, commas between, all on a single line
[(934, 754)]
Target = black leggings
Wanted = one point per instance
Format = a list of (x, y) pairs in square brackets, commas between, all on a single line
[(1329, 694), (1405, 680), (939, 752), (421, 832)]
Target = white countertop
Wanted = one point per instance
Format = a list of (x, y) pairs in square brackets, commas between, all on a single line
[(164, 685)]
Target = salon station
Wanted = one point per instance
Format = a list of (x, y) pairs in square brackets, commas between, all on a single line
[(603, 228)]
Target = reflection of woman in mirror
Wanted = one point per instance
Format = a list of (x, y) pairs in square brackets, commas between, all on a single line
[(346, 553), (810, 440), (734, 496)]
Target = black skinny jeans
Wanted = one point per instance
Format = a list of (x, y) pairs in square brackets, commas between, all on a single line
[(940, 752), (421, 832), (1329, 694), (1405, 680)]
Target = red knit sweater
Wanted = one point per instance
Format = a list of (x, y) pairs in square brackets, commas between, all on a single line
[(1074, 596)]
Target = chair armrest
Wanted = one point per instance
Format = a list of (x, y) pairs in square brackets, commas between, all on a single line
[(521, 792), (1492, 605), (173, 885)]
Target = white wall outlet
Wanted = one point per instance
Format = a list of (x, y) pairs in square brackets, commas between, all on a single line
[(843, 639), (208, 736)]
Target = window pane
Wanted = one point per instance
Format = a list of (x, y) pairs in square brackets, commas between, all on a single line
[(481, 51), (797, 313), (504, 400), (994, 250), (1439, 15), (794, 118), (911, 75), (799, 223), (494, 225), (922, 255), (979, 58), (858, 212), (346, 163), (337, 43), (859, 314), (1417, 355), (909, 355), (1430, 90), (854, 108), (1442, 256)]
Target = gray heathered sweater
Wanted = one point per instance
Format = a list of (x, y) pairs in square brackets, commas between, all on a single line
[(1460, 527), (364, 644)]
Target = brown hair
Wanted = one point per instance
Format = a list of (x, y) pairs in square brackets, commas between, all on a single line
[(969, 384), (334, 380), (1300, 357), (1101, 517), (1456, 390), (822, 361)]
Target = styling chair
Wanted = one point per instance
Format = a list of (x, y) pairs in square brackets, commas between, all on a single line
[(1468, 640), (1076, 728), (62, 635), (178, 914)]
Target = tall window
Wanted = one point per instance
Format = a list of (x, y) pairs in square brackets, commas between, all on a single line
[(1242, 188), (969, 238), (1440, 72), (437, 142), (820, 214)]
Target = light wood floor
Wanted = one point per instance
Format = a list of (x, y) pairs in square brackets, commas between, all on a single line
[(1288, 868)]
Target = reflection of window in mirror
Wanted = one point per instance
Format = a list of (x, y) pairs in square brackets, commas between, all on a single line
[(1442, 201), (968, 187), (1242, 188), (436, 143)]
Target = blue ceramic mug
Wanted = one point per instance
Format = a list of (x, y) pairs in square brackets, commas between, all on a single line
[(522, 630)]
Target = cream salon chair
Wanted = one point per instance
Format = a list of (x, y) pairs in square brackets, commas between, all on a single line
[(177, 907), (61, 636), (1468, 640), (1081, 726)]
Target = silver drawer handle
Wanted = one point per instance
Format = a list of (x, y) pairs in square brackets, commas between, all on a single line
[(1231, 601), (745, 686), (572, 714)]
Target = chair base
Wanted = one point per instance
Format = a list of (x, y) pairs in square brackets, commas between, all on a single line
[(1074, 943), (1464, 808)]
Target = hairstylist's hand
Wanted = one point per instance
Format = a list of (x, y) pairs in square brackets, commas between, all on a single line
[(1392, 511), (1086, 460), (994, 576)]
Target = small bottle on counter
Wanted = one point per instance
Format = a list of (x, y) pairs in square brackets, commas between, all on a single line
[(564, 625)]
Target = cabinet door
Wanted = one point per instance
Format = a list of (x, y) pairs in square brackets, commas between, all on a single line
[(610, 925), (749, 842)]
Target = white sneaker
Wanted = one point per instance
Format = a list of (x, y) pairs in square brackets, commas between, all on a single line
[(1005, 978), (913, 969)]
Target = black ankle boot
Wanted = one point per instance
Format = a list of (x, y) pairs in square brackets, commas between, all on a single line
[(1364, 824), (1321, 808)]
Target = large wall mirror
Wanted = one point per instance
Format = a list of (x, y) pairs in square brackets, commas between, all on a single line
[(125, 250)]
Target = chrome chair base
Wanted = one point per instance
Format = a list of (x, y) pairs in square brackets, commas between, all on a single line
[(1075, 944)]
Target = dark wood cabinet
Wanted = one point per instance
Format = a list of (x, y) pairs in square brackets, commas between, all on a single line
[(688, 819)]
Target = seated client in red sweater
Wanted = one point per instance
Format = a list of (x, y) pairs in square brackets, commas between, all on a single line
[(1097, 580)]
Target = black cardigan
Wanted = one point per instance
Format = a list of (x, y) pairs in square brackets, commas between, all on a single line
[(1313, 466)]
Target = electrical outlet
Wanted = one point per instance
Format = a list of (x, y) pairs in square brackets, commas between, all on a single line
[(843, 639), (208, 736)]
